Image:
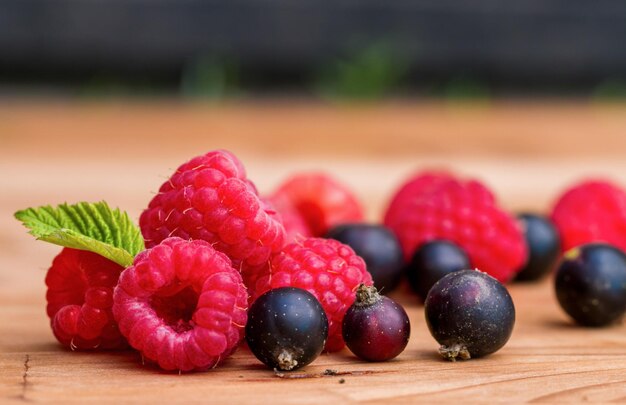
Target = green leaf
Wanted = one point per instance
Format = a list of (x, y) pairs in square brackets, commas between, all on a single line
[(87, 226)]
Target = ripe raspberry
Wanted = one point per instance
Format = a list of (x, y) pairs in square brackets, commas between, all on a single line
[(182, 305), (296, 227), (326, 268), (591, 211), (319, 199), (464, 212), (80, 296), (420, 184), (209, 198)]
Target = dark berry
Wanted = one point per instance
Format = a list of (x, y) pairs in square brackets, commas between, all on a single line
[(375, 328), (591, 284), (470, 314), (544, 246), (380, 249), (287, 328), (431, 262)]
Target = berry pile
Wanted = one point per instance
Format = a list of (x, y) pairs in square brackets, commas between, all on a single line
[(178, 287), (299, 272)]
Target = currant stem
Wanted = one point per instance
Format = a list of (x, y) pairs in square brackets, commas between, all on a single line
[(286, 361), (366, 295), (455, 352)]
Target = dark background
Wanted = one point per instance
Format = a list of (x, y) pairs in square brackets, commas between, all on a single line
[(342, 48)]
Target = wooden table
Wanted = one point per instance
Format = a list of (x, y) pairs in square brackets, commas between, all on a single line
[(53, 151)]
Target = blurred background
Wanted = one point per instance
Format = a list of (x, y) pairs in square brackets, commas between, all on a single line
[(329, 50), (102, 99)]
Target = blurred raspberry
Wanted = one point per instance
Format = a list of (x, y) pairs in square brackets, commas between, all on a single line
[(328, 269), (296, 227), (420, 184), (436, 206), (591, 211), (320, 200)]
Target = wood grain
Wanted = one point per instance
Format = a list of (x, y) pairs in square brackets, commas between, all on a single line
[(52, 152)]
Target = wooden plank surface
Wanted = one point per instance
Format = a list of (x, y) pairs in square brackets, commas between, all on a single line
[(51, 152)]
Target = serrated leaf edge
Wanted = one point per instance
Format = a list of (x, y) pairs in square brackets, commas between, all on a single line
[(44, 224)]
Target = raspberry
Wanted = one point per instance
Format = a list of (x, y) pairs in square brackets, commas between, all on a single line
[(591, 211), (182, 305), (296, 227), (431, 207), (421, 183), (210, 198), (80, 296), (320, 200), (326, 268)]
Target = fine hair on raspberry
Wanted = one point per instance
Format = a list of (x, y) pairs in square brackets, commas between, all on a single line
[(182, 305), (210, 198)]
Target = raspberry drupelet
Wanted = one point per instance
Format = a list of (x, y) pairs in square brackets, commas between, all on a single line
[(209, 198), (326, 268), (182, 305), (80, 297)]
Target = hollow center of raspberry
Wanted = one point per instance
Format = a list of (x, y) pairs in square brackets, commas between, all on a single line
[(177, 310)]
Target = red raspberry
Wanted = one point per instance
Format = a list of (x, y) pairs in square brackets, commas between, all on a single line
[(591, 211), (296, 227), (420, 184), (182, 305), (326, 268), (431, 207), (209, 198), (80, 296), (319, 199)]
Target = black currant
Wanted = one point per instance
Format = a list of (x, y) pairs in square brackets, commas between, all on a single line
[(375, 328), (590, 284), (287, 328), (378, 247), (433, 260), (469, 313), (544, 246)]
